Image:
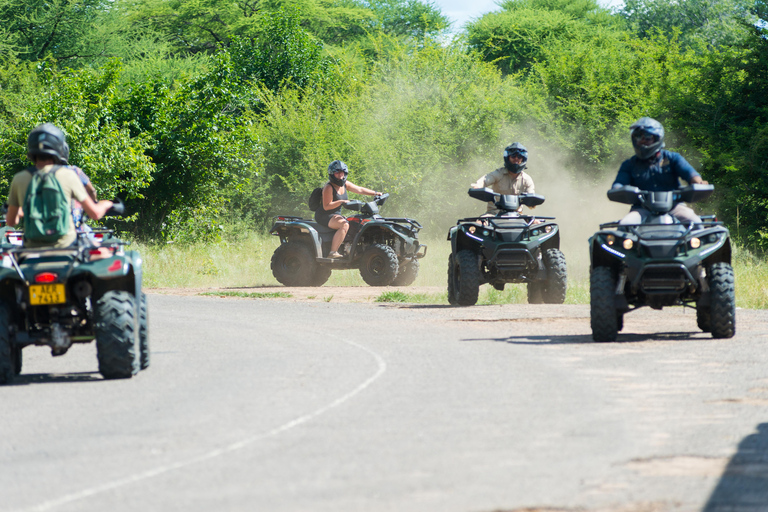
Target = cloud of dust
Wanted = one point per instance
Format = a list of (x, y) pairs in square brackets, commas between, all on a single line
[(578, 199)]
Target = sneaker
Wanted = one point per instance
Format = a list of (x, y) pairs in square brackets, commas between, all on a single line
[(335, 254)]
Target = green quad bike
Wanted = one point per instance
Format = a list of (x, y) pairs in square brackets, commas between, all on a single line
[(506, 248), (661, 262), (386, 250), (57, 297)]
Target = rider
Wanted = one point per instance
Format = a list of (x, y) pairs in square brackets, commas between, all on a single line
[(77, 209), (46, 149), (655, 169), (334, 196), (510, 179)]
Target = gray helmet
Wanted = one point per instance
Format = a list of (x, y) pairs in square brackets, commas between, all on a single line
[(337, 165), (515, 149), (47, 140), (647, 137)]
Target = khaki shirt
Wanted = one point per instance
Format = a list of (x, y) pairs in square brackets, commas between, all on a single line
[(504, 182), (73, 189)]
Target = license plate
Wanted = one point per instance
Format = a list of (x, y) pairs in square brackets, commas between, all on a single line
[(41, 294)]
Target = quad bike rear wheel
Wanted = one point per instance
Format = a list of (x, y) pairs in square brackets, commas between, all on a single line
[(7, 370), (378, 265), (603, 314), (407, 272), (722, 309), (557, 277), (321, 275), (293, 265), (143, 332), (703, 318), (117, 347), (466, 278), (451, 281), (535, 290)]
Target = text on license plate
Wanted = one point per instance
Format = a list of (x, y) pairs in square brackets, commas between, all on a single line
[(47, 294)]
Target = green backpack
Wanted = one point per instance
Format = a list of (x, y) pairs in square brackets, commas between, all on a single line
[(46, 208)]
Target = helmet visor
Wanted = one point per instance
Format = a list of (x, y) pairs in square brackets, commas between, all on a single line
[(645, 138)]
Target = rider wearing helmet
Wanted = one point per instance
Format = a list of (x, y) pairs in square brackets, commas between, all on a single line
[(655, 169), (47, 149), (510, 179), (334, 196)]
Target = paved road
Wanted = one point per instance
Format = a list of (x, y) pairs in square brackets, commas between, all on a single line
[(276, 405)]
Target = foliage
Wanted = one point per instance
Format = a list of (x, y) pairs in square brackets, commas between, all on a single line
[(79, 103), (720, 102), (702, 24), (515, 37), (428, 122)]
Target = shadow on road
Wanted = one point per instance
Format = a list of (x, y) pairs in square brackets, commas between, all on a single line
[(54, 378), (578, 339), (743, 487)]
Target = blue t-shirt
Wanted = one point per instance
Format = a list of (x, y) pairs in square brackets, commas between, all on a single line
[(661, 174)]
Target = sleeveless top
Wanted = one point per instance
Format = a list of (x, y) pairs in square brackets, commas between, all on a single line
[(322, 216)]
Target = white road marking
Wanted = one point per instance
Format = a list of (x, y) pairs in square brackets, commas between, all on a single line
[(151, 473)]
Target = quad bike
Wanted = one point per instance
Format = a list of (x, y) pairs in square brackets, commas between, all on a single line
[(661, 262), (506, 248), (386, 250), (59, 296)]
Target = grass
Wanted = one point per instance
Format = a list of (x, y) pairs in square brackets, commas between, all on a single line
[(250, 295), (247, 264)]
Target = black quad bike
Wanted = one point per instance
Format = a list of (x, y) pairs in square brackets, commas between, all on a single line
[(661, 262), (57, 297), (506, 248), (386, 250)]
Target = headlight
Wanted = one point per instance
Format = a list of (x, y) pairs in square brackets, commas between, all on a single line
[(472, 229), (695, 243), (548, 229), (535, 232), (610, 239), (712, 238), (627, 244), (486, 233)]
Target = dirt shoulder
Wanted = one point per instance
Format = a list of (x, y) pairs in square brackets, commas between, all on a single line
[(319, 294)]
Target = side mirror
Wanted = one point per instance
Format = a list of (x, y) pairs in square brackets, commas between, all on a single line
[(625, 194), (531, 199), (117, 208), (696, 192), (354, 205), (483, 194)]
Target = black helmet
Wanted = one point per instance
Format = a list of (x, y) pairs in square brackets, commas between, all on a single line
[(65, 154), (647, 137), (515, 149), (48, 140), (337, 165)]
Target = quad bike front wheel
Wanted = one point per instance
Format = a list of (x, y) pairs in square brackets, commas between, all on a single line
[(722, 309), (556, 284), (466, 278), (603, 314), (7, 370), (117, 349), (378, 265), (407, 272), (293, 265)]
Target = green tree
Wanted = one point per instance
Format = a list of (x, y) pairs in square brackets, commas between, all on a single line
[(702, 24), (719, 101), (515, 37)]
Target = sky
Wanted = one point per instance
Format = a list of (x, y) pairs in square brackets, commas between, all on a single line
[(462, 11)]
